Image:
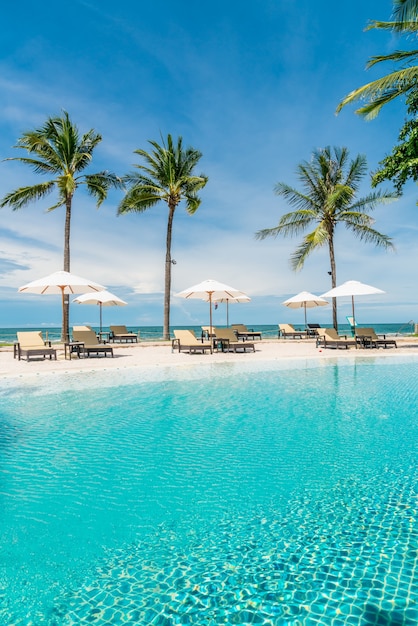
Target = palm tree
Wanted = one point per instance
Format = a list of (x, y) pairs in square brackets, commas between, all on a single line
[(166, 175), (399, 82), (57, 150), (330, 183)]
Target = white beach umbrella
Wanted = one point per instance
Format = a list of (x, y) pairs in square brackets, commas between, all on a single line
[(102, 298), (211, 291), (304, 300), (61, 283), (352, 288)]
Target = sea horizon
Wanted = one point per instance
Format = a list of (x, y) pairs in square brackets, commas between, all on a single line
[(155, 333)]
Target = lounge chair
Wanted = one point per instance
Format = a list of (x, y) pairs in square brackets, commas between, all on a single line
[(226, 340), (367, 338), (186, 341), (329, 338), (122, 334), (312, 329), (206, 334), (31, 343), (85, 328), (88, 343), (242, 332), (287, 330)]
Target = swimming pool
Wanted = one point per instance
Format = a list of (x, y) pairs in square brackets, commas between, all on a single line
[(221, 494)]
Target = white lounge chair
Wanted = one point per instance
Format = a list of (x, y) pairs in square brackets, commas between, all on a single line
[(31, 343), (89, 343), (122, 334), (329, 338), (242, 332), (287, 330), (229, 341), (186, 340), (367, 338)]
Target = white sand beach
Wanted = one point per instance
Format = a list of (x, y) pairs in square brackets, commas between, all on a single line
[(153, 355)]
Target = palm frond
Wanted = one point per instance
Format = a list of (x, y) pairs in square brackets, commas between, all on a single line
[(356, 171), (25, 195), (294, 197), (138, 200), (373, 199), (99, 184), (312, 241), (308, 177), (405, 10), (340, 196), (381, 91), (268, 232), (356, 218), (397, 56), (191, 186), (39, 167), (396, 27), (193, 202), (137, 179), (370, 235), (167, 172), (289, 224), (35, 144)]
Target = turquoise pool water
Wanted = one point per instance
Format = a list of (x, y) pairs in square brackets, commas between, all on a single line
[(214, 495)]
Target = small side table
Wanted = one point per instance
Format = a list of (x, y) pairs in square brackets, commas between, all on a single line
[(365, 341), (73, 347), (221, 345)]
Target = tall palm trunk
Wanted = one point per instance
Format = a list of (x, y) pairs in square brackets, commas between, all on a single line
[(333, 280), (168, 265), (65, 333)]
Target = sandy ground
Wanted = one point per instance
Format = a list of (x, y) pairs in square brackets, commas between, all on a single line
[(151, 355)]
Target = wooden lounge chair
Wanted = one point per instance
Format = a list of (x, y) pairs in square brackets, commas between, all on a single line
[(242, 332), (329, 338), (31, 343), (226, 340), (287, 330), (367, 338), (85, 328), (89, 344), (312, 329), (186, 341), (122, 334), (206, 334)]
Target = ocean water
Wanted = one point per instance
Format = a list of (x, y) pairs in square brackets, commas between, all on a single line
[(155, 333), (228, 494)]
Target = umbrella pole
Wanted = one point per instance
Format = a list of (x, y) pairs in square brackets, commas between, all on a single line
[(304, 306), (210, 321), (65, 324), (354, 317), (100, 304), (227, 313)]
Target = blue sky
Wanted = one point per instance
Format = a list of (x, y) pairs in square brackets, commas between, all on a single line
[(254, 87)]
